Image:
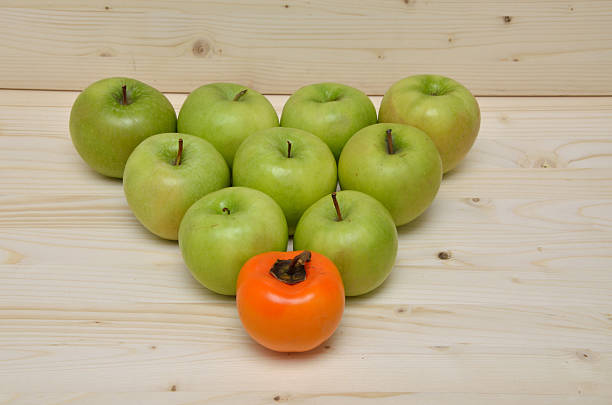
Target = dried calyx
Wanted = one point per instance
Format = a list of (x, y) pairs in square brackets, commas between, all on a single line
[(291, 271)]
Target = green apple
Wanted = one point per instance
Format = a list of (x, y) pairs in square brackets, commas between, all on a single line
[(356, 232), (225, 114), (166, 174), (112, 116), (331, 111), (441, 107), (290, 165), (397, 164), (224, 229)]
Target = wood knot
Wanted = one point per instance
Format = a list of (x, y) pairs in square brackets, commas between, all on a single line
[(173, 388), (107, 8), (545, 163), (507, 19), (286, 6), (444, 255), (479, 202), (277, 398), (8, 256), (200, 48), (585, 355), (327, 347), (107, 52)]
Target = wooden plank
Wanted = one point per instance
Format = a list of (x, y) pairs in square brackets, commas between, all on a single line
[(501, 251), (493, 47), (262, 397), (197, 347), (558, 135), (364, 328)]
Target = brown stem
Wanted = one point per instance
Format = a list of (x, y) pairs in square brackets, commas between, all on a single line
[(389, 142), (225, 209), (242, 93), (338, 213), (288, 149), (177, 161), (291, 271), (299, 259), (124, 90)]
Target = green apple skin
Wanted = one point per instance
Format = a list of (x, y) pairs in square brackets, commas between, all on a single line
[(210, 112), (331, 111), (105, 132), (405, 182), (441, 107), (216, 244), (363, 245), (295, 182), (160, 192)]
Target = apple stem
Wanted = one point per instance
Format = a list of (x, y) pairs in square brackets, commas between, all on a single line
[(124, 90), (225, 209), (242, 93), (177, 161), (338, 213), (288, 149), (389, 142)]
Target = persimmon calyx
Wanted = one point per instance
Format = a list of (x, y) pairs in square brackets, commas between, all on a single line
[(291, 271)]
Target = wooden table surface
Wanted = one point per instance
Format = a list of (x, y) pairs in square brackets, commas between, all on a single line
[(96, 310)]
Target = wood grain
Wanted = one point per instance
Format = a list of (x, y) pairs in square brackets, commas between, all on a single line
[(534, 262), (197, 347), (516, 309), (493, 47), (274, 397)]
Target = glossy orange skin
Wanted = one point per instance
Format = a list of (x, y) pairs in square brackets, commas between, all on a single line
[(289, 318)]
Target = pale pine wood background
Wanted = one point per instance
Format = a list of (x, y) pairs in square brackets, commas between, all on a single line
[(549, 47), (95, 310)]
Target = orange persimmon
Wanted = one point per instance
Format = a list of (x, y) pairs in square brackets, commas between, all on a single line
[(290, 301)]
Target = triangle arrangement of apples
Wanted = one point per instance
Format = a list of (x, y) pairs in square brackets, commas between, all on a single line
[(231, 183)]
